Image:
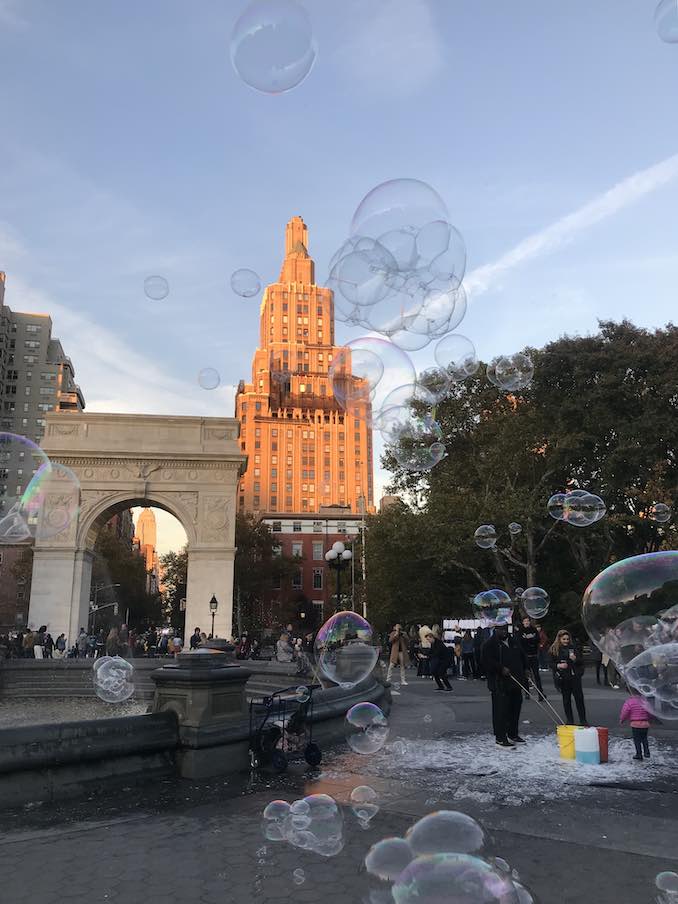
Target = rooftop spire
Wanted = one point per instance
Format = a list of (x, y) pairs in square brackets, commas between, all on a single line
[(297, 266)]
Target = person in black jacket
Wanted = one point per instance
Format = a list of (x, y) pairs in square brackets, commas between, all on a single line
[(568, 668), (440, 661), (505, 665), (529, 640)]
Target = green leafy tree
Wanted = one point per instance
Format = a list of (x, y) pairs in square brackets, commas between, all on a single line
[(116, 563), (175, 577)]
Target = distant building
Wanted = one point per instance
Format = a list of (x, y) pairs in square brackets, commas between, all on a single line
[(36, 376), (15, 589), (122, 525), (388, 501), (304, 450), (145, 539)]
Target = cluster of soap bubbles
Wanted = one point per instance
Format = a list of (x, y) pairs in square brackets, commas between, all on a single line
[(272, 45), (346, 649), (511, 372), (364, 802), (666, 21), (442, 857), (630, 612), (493, 607), (577, 507), (535, 601), (245, 283), (50, 501), (113, 679), (313, 823), (667, 886), (156, 288), (366, 728)]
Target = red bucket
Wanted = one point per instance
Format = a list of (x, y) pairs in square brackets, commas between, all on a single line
[(603, 736)]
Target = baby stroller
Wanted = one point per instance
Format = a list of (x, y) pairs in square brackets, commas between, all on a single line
[(282, 725)]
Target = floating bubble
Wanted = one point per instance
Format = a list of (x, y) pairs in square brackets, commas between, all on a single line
[(446, 831), (667, 881), (493, 607), (364, 802), (535, 602), (638, 586), (515, 528), (655, 673), (436, 381), (556, 506), (245, 283), (660, 512), (636, 634), (114, 680), (415, 441), (345, 648), (272, 46), (474, 881), (518, 592), (18, 452), (666, 21), (582, 509), (457, 355), (51, 500), (428, 718), (411, 396), (400, 204), (209, 378), (485, 536), (354, 374), (510, 372), (395, 367), (313, 823), (443, 307), (156, 287), (274, 820), (388, 858), (361, 274), (366, 728), (303, 694)]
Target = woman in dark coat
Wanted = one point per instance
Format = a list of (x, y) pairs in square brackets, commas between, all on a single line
[(440, 660), (568, 667)]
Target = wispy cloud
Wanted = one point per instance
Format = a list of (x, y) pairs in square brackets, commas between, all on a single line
[(568, 228), (396, 49)]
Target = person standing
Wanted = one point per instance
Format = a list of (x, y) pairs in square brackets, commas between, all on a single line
[(60, 646), (49, 645), (81, 643), (397, 650), (468, 663), (505, 665), (477, 647), (39, 645), (529, 639), (568, 668), (283, 649), (440, 660), (113, 645), (195, 640), (543, 649), (28, 644), (636, 712)]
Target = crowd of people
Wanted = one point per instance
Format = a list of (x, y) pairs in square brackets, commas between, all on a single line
[(122, 641)]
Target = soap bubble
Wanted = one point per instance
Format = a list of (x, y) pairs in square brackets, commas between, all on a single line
[(443, 307), (364, 802), (209, 378), (272, 46), (274, 820), (668, 880), (511, 372), (515, 528), (366, 728), (535, 602), (666, 21), (556, 506), (644, 585), (436, 381), (414, 440), (51, 500), (493, 607), (409, 396), (156, 287), (299, 876), (313, 823), (457, 355), (485, 536), (354, 374), (428, 718), (114, 680), (246, 283), (660, 512), (430, 878), (655, 673), (395, 369), (388, 858), (361, 273), (446, 831), (303, 694), (18, 452), (345, 648), (582, 509), (398, 204)]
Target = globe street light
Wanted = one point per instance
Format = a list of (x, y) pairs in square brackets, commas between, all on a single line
[(338, 558), (214, 605)]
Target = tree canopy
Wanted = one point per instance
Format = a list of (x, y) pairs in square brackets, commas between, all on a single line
[(600, 414)]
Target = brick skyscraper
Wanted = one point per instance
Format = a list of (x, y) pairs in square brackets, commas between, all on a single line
[(304, 451)]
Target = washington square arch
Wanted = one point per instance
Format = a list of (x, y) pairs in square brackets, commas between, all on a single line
[(188, 466)]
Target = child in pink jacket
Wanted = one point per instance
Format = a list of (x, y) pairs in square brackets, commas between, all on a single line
[(636, 712)]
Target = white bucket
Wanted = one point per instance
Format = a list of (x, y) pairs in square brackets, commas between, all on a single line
[(586, 745)]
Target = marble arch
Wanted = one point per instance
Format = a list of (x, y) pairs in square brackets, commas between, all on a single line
[(188, 466)]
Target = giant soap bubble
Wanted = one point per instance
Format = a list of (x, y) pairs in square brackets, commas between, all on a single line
[(457, 355), (113, 679), (666, 21), (51, 500), (388, 858), (475, 881), (345, 648), (644, 587), (654, 672), (398, 204), (366, 728), (446, 831), (272, 46)]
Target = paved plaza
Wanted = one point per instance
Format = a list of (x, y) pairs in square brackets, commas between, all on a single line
[(574, 833)]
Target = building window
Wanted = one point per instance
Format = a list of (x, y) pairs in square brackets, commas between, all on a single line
[(275, 582), (318, 555), (274, 472), (296, 527), (296, 580), (276, 527), (255, 502), (341, 527), (297, 549), (317, 527), (257, 487), (317, 579)]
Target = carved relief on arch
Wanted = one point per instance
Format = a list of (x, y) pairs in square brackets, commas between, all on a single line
[(215, 520)]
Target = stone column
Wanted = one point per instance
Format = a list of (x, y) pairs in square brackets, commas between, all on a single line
[(60, 590), (210, 571)]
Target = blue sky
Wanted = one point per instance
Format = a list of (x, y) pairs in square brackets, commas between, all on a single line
[(131, 147)]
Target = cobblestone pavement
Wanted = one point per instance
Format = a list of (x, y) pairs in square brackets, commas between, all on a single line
[(202, 842)]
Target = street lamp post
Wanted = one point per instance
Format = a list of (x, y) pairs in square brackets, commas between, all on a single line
[(338, 558), (214, 605)]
